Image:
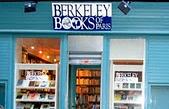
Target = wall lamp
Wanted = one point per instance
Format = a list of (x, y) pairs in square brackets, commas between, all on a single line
[(124, 7), (30, 6)]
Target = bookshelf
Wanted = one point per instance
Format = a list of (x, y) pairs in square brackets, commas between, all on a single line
[(88, 88), (36, 86)]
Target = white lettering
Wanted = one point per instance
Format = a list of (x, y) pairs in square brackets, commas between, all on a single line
[(58, 24)]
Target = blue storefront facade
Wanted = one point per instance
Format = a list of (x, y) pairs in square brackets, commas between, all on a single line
[(146, 20)]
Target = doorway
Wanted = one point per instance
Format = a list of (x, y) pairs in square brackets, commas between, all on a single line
[(85, 57), (84, 86)]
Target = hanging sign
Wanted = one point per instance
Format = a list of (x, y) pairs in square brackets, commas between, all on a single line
[(82, 16)]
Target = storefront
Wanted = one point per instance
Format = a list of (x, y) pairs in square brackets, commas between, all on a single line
[(121, 64)]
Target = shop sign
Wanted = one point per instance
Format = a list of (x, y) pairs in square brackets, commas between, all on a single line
[(128, 76), (82, 16), (36, 76)]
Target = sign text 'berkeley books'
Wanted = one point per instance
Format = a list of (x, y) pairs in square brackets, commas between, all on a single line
[(82, 16)]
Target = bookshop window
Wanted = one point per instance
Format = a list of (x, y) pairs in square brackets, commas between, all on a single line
[(127, 73), (36, 76)]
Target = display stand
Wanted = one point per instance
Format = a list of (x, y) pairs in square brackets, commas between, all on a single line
[(36, 86), (127, 85)]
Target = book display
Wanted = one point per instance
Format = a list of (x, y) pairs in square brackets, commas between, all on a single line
[(88, 89), (127, 87), (36, 86)]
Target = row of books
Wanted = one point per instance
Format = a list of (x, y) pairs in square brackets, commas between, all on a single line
[(35, 96), (88, 106), (128, 96), (34, 106), (118, 85), (89, 90), (88, 73), (27, 83), (87, 99), (83, 81)]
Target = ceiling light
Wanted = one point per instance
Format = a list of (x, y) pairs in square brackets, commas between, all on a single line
[(32, 47), (48, 57), (40, 52), (54, 60)]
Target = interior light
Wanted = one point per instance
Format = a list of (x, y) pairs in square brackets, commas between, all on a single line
[(32, 47), (48, 57), (55, 60), (124, 7), (40, 52)]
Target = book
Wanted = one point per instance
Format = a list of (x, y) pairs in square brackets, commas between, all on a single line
[(52, 84), (138, 85), (32, 83), (44, 84), (42, 96), (28, 106), (20, 106), (125, 85), (19, 96), (19, 82), (33, 96), (37, 83), (44, 106), (25, 96), (132, 85), (117, 97), (51, 96)]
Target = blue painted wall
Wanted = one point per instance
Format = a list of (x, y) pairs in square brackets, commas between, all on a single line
[(12, 16), (158, 60), (145, 17), (7, 67), (5, 56)]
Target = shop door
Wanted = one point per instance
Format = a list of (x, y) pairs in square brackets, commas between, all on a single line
[(2, 95), (160, 97), (84, 86)]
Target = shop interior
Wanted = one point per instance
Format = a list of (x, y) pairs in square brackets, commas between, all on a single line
[(38, 50), (36, 75)]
